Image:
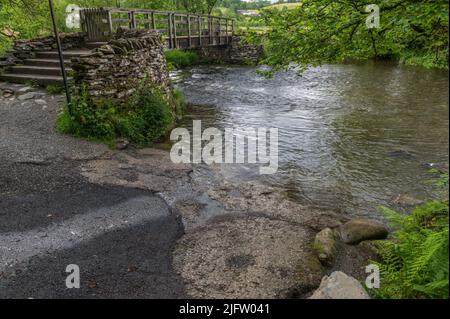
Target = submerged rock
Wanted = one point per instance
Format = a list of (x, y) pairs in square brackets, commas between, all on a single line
[(406, 200), (247, 257), (189, 209), (340, 286), (325, 246), (274, 203), (358, 230), (401, 154), (148, 169)]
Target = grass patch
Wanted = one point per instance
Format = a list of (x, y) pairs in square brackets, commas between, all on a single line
[(181, 59), (144, 119), (55, 88)]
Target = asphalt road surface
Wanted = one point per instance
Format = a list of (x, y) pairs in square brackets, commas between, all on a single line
[(51, 216)]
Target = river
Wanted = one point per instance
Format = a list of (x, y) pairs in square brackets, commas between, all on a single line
[(351, 137)]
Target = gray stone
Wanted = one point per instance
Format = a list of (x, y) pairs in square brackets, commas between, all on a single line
[(122, 143), (7, 93), (248, 257), (358, 230), (40, 102), (406, 200), (27, 96), (340, 286), (325, 246), (24, 90), (275, 203)]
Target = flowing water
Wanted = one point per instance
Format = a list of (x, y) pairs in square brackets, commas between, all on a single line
[(351, 137)]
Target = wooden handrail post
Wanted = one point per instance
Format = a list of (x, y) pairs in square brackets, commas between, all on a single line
[(169, 25), (132, 18), (226, 30), (210, 31), (110, 24), (189, 31), (199, 31), (175, 31), (147, 25), (153, 21)]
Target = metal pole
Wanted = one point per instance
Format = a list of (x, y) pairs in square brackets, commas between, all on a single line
[(61, 58)]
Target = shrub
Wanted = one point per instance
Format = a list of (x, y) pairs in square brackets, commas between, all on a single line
[(415, 264), (180, 102), (181, 59), (86, 121), (143, 119), (55, 88), (149, 119)]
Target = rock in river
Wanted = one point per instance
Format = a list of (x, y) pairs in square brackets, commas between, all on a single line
[(358, 230), (340, 286), (325, 246), (248, 257)]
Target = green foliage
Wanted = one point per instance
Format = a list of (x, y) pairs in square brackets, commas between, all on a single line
[(323, 31), (180, 102), (148, 119), (87, 121), (181, 58), (55, 88), (415, 264), (145, 118)]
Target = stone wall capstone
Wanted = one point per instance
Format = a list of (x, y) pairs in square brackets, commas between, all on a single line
[(114, 71)]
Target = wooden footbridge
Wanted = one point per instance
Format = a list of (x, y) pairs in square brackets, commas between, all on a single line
[(181, 30)]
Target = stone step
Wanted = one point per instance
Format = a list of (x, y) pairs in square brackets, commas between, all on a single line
[(66, 54), (94, 45), (34, 78), (45, 62), (39, 70)]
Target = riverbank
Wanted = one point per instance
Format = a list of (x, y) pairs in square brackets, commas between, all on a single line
[(122, 215)]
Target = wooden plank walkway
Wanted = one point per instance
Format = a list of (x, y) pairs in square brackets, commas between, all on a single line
[(181, 30)]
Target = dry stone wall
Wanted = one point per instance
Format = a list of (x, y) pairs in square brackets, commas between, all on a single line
[(115, 70)]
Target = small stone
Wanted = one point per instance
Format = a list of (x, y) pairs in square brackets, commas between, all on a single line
[(358, 230), (406, 200), (24, 90), (325, 246), (41, 102), (27, 96), (122, 143), (340, 286), (7, 93)]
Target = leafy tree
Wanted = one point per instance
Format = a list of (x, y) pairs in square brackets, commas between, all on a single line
[(325, 31)]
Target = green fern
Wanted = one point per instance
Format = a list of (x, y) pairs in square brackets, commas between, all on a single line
[(415, 264)]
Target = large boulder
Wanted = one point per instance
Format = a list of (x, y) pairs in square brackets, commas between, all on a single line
[(340, 286), (358, 230), (247, 257), (325, 246)]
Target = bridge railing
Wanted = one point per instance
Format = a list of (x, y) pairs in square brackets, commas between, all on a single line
[(181, 30)]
